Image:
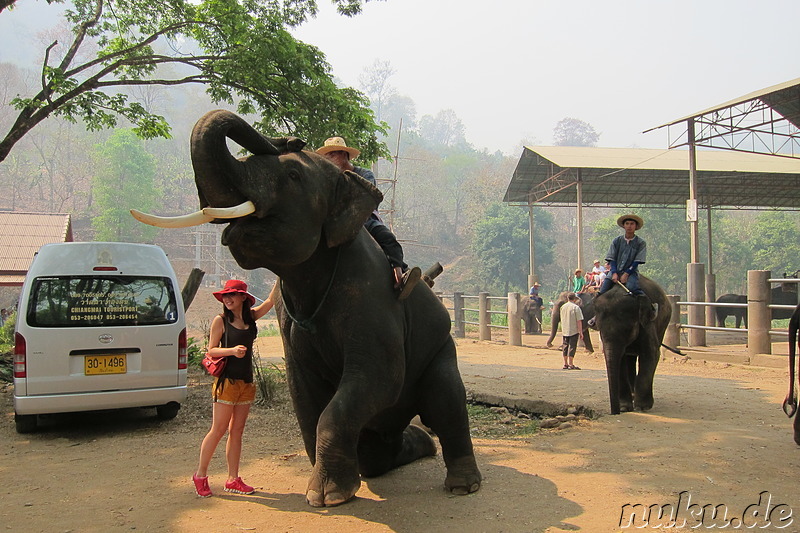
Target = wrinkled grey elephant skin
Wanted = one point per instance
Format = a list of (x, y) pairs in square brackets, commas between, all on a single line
[(360, 364), (587, 309), (631, 335)]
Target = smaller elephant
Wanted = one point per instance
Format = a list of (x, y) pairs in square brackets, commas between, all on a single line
[(532, 315), (632, 332), (790, 403), (587, 308), (740, 313)]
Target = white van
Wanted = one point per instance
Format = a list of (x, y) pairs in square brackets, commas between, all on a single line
[(100, 325)]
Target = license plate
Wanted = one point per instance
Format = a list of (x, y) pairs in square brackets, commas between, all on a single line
[(94, 365)]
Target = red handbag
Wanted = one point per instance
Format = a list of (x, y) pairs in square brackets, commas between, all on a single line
[(214, 365)]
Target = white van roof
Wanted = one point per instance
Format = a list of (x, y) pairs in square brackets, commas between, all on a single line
[(80, 258)]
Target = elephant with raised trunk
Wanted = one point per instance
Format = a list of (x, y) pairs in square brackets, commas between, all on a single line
[(360, 363), (632, 333)]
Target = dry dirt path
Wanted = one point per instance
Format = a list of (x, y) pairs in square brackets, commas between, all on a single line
[(716, 433)]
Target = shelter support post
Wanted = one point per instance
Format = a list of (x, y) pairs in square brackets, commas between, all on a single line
[(579, 217), (672, 337), (711, 296), (695, 244), (695, 275), (484, 317), (532, 278), (759, 315), (514, 319)]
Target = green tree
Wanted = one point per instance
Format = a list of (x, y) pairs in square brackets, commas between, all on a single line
[(773, 243), (501, 246), (241, 50), (125, 178)]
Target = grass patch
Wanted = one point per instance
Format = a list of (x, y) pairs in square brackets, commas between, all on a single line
[(498, 423), (269, 331)]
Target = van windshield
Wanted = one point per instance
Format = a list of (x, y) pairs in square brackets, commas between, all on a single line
[(81, 301)]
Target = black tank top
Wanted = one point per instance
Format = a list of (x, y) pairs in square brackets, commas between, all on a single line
[(237, 368)]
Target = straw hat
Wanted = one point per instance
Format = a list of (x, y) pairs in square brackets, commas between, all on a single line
[(235, 286), (337, 144), (636, 218)]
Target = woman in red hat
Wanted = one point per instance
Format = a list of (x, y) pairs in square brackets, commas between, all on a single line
[(232, 335)]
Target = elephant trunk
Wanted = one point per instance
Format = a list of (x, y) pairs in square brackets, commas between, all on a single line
[(216, 170)]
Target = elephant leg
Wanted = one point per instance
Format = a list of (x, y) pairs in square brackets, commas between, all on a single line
[(738, 320), (613, 373), (627, 378), (335, 478), (443, 408), (643, 391), (379, 453), (555, 320), (587, 340), (797, 429)]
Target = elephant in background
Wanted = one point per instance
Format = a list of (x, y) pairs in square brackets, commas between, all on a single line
[(778, 296), (740, 313), (587, 308), (532, 315), (632, 333), (360, 364)]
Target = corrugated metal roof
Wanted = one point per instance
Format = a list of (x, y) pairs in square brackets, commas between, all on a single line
[(21, 236), (636, 176), (736, 101)]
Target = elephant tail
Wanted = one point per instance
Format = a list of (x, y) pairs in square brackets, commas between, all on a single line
[(673, 350)]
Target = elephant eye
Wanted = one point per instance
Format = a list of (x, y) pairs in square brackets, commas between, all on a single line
[(294, 174)]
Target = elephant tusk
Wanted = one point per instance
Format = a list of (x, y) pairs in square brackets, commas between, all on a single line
[(184, 221), (236, 211)]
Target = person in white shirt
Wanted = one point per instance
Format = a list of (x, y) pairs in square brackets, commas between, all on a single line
[(571, 329)]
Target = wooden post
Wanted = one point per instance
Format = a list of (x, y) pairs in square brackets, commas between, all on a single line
[(484, 318), (514, 318), (672, 337), (759, 316), (695, 274), (458, 315)]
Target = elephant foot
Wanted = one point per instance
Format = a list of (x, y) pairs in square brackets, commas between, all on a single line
[(626, 407), (323, 492), (463, 476)]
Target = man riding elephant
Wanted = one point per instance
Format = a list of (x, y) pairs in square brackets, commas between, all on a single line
[(532, 311)]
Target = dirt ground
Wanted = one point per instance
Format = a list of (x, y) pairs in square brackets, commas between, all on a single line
[(716, 435)]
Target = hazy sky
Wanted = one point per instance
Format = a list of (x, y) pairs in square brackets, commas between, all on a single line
[(511, 69)]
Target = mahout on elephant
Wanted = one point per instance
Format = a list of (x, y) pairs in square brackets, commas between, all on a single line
[(632, 332), (360, 363), (587, 308), (790, 403), (532, 315), (739, 313)]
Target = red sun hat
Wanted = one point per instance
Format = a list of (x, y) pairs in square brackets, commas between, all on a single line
[(233, 286)]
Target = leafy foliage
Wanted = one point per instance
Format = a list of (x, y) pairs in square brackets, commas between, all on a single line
[(125, 178), (501, 246), (241, 50)]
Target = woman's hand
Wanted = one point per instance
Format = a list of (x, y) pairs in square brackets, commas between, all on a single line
[(239, 351)]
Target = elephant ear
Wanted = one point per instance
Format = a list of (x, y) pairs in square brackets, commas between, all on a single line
[(645, 310), (353, 201)]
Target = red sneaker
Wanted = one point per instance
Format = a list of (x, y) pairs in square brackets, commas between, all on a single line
[(201, 486), (238, 486)]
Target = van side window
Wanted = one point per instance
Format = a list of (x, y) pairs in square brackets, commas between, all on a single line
[(80, 301)]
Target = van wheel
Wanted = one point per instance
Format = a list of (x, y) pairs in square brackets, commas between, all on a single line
[(168, 411), (25, 423)]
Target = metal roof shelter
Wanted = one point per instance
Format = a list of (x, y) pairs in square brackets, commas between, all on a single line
[(550, 175), (764, 121), (21, 236)]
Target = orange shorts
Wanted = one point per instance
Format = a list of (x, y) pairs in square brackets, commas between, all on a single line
[(234, 392)]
